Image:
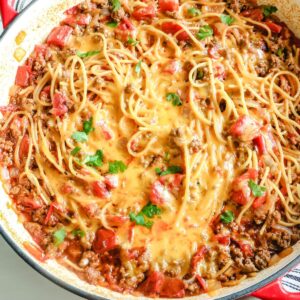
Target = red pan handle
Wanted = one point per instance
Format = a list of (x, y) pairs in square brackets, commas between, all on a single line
[(7, 10), (275, 291)]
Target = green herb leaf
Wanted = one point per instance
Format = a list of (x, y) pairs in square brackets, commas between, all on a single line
[(87, 54), (94, 160), (151, 210), (78, 232), (200, 75), (170, 170), (112, 24), (117, 167), (226, 19), (280, 52), (116, 5), (227, 217), (59, 236), (75, 151), (256, 189), (174, 98), (139, 219), (79, 136), (138, 67), (88, 126), (269, 9), (194, 12), (132, 41), (204, 32), (167, 156)]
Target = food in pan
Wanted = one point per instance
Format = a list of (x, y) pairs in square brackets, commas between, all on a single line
[(152, 147)]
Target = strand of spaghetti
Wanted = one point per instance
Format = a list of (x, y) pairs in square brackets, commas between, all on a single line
[(248, 20)]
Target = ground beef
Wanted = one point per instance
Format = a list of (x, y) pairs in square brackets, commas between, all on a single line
[(38, 234), (195, 146), (248, 266), (6, 152), (223, 257), (118, 15), (89, 259), (279, 240), (262, 258), (262, 68), (93, 276), (239, 5)]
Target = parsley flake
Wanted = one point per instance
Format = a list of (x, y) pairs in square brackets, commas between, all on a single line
[(269, 9), (78, 232), (59, 236), (116, 5), (204, 32), (87, 54), (226, 19), (256, 189), (117, 167), (227, 217), (94, 160), (151, 210), (132, 41), (174, 98), (139, 219), (88, 126)]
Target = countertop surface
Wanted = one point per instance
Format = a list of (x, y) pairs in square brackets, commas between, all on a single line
[(19, 281)]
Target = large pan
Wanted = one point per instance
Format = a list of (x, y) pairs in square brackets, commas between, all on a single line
[(36, 21)]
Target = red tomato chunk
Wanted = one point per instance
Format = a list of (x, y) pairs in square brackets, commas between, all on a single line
[(23, 76), (105, 240), (59, 36)]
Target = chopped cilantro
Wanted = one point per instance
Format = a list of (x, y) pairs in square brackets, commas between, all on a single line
[(88, 126), (256, 189), (94, 160), (116, 5), (204, 32), (75, 151), (78, 232), (226, 19), (227, 217), (139, 219), (138, 67), (200, 74), (174, 98), (132, 41), (151, 210), (170, 170), (59, 236), (117, 167), (269, 9), (112, 24), (194, 12), (79, 136), (87, 54)]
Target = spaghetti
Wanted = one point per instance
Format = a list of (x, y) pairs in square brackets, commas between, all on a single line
[(154, 147)]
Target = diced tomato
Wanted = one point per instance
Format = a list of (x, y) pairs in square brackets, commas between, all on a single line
[(59, 36), (223, 239), (50, 213), (144, 13), (202, 282), (45, 93), (116, 220), (74, 251), (254, 14), (245, 128), (125, 30), (259, 201), (23, 76), (153, 284), (67, 189), (30, 202), (135, 253), (126, 25), (72, 11), (241, 192), (168, 5), (213, 52), (106, 131), (172, 67), (173, 28), (81, 19), (100, 189), (8, 108), (218, 28), (219, 71), (41, 50), (246, 249), (274, 27), (35, 251), (111, 181), (260, 144), (172, 181), (59, 104), (24, 147), (197, 257), (172, 288), (105, 241)]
